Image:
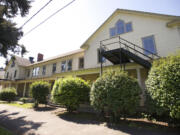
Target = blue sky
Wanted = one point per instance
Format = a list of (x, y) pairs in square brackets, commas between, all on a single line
[(71, 27)]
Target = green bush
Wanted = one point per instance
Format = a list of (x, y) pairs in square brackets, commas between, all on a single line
[(163, 86), (115, 93), (39, 91), (70, 92), (8, 94)]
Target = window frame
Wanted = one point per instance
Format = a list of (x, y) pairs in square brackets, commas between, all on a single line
[(116, 26), (70, 60), (65, 63), (131, 27), (79, 65), (15, 73), (54, 65), (155, 49), (44, 70)]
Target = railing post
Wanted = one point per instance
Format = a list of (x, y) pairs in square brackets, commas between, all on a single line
[(101, 70), (120, 55)]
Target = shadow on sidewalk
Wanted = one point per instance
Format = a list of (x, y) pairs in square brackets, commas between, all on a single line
[(127, 126), (18, 125)]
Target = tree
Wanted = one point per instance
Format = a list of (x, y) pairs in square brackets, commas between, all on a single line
[(163, 86), (9, 33), (115, 93), (39, 91), (70, 92)]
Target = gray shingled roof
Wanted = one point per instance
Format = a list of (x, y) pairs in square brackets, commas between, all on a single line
[(22, 61)]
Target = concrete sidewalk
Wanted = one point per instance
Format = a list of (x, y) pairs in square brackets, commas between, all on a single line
[(29, 122)]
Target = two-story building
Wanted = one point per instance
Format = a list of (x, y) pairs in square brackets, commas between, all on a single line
[(128, 39)]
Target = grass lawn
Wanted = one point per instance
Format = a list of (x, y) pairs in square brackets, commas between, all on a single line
[(4, 131), (17, 104)]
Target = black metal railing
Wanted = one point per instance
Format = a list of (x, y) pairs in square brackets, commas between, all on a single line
[(106, 45)]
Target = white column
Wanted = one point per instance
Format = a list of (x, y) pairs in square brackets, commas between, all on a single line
[(139, 76), (138, 70), (24, 92)]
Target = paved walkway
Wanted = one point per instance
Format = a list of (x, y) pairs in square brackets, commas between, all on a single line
[(29, 122)]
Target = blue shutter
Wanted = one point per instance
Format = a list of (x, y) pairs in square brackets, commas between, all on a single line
[(128, 27), (148, 43), (112, 32)]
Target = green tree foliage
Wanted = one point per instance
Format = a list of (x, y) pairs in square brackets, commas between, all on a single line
[(116, 93), (163, 86), (8, 94), (9, 33), (39, 91), (70, 92)]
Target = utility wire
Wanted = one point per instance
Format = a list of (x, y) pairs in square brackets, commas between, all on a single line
[(36, 13), (50, 17)]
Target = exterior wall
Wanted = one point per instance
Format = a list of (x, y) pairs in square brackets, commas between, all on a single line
[(167, 40), (20, 74)]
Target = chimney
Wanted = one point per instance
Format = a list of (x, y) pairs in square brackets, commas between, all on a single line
[(31, 59), (40, 57)]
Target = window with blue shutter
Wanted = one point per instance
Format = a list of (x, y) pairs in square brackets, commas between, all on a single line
[(149, 45), (112, 32), (120, 27), (128, 27)]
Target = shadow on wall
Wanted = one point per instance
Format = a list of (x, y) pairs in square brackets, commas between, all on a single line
[(23, 125)]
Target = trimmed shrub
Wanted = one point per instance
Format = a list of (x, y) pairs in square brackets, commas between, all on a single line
[(8, 94), (163, 86), (39, 91), (115, 93), (70, 92)]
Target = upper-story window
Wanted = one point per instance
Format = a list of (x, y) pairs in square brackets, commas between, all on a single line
[(100, 58), (149, 45), (63, 66), (128, 27), (13, 63), (35, 71), (69, 65), (7, 75), (120, 28), (28, 73), (44, 70), (81, 63), (54, 68), (15, 72)]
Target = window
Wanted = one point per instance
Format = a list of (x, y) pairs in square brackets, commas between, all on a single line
[(81, 63), (15, 72), (128, 27), (28, 73), (54, 68), (63, 66), (149, 44), (69, 65), (13, 63), (7, 75), (120, 27), (35, 71), (100, 59), (112, 32), (44, 70)]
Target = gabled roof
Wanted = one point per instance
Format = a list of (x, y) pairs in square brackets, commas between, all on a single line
[(22, 61), (171, 17)]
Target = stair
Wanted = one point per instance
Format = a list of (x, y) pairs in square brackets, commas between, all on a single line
[(125, 52)]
